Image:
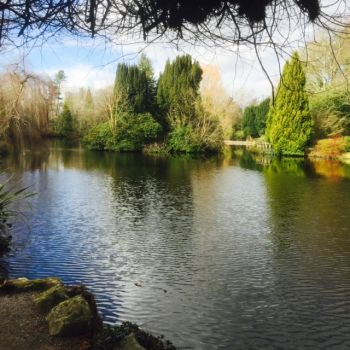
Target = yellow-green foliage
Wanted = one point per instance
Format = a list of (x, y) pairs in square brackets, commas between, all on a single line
[(332, 148), (289, 124)]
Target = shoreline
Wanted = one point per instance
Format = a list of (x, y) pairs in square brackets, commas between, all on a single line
[(52, 315)]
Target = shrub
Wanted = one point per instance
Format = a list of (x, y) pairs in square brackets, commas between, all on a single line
[(331, 148), (132, 132), (331, 111), (183, 139), (98, 137), (156, 148), (190, 139)]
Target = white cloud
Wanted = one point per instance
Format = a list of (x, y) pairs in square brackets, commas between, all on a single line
[(85, 75)]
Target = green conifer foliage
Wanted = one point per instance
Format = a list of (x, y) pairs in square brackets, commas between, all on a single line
[(254, 118), (249, 122), (133, 83), (65, 123), (145, 65), (289, 124), (178, 88)]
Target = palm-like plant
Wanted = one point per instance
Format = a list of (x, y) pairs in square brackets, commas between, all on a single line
[(8, 196)]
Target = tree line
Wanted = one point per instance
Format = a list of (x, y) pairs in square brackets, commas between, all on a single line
[(185, 109), (312, 102), (174, 113)]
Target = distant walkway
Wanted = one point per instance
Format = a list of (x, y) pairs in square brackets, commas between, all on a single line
[(252, 143)]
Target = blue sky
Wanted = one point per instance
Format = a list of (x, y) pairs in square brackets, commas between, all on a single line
[(92, 62)]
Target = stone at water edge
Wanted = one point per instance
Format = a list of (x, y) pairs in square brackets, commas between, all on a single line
[(130, 343), (25, 285), (51, 297), (70, 318)]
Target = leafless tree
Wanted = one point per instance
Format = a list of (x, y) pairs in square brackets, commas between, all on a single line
[(26, 102)]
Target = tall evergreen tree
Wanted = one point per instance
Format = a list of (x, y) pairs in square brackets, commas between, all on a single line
[(145, 66), (65, 123), (133, 83), (290, 125), (178, 88), (249, 121), (254, 118), (261, 113)]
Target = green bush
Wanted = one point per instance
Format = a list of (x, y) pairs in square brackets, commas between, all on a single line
[(182, 139), (132, 132), (331, 111), (331, 148), (98, 137), (187, 139)]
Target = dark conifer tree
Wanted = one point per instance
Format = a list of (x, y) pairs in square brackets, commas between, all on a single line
[(178, 87)]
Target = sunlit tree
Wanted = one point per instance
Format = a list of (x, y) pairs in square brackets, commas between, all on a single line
[(290, 125)]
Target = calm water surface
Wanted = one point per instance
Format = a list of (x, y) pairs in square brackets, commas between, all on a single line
[(220, 253)]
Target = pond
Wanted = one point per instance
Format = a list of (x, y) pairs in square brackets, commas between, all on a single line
[(229, 252)]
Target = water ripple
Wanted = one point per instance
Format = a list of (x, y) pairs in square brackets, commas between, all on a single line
[(213, 256)]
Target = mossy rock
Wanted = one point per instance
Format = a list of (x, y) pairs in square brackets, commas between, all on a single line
[(25, 285), (51, 297), (70, 318), (130, 342)]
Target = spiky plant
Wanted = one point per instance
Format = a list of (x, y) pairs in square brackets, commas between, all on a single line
[(8, 196)]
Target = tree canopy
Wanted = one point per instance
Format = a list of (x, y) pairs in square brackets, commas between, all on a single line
[(178, 88), (134, 85), (234, 20)]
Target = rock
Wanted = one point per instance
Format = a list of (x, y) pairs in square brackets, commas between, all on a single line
[(50, 298), (70, 318), (25, 285), (130, 343)]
